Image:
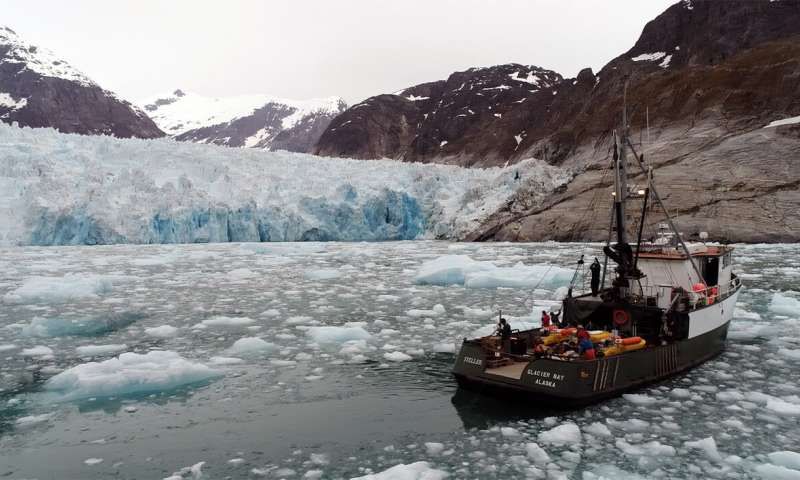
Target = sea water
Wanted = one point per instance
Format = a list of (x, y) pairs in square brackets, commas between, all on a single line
[(332, 360)]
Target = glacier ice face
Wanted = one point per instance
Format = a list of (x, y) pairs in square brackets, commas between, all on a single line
[(58, 189)]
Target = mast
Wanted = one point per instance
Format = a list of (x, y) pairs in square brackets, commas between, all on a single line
[(621, 188)]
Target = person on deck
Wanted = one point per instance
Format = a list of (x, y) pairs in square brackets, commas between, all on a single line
[(595, 270), (586, 348), (545, 319), (504, 330), (582, 334)]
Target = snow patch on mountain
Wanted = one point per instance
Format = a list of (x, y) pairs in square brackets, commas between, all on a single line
[(7, 101), (179, 112), (71, 189), (40, 60)]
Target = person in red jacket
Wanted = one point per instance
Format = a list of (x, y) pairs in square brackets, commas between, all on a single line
[(545, 319)]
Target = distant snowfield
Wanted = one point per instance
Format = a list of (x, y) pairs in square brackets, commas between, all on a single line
[(58, 189), (188, 111)]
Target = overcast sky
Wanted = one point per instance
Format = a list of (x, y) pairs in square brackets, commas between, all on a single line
[(313, 48)]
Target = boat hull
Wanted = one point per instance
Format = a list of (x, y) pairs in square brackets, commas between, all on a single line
[(578, 382)]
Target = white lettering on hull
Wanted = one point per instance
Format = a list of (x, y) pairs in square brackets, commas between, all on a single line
[(473, 361), (546, 379)]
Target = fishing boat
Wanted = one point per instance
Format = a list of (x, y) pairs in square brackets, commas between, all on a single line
[(667, 309)]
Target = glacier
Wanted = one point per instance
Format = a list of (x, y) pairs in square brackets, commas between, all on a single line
[(62, 189)]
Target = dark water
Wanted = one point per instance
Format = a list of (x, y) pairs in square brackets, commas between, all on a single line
[(339, 408)]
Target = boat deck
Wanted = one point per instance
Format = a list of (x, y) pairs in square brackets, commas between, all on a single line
[(509, 371)]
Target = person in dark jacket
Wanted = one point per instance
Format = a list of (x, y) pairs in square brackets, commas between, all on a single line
[(504, 330), (595, 270)]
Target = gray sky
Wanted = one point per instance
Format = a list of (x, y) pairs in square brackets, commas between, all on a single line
[(313, 48)]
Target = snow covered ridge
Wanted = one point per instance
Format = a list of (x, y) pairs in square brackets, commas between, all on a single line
[(58, 189), (179, 112), (40, 60)]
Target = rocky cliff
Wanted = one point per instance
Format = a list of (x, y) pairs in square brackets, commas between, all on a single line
[(37, 89), (706, 76), (255, 121)]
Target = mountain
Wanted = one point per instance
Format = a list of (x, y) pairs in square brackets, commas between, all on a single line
[(256, 121), (706, 77), (444, 121), (38, 89)]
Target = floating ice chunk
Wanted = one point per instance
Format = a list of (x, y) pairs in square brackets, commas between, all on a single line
[(31, 420), (89, 326), (337, 334), (236, 461), (37, 351), (598, 429), (462, 270), (92, 350), (610, 472), (251, 345), (509, 432), (437, 310), (784, 305), (537, 454), (777, 472), (708, 446), (632, 425), (7, 346), (784, 408), (93, 461), (680, 393), (222, 321), (129, 373), (639, 399), (163, 331), (241, 274), (322, 274), (434, 448), (793, 354), (449, 270), (397, 357), (520, 276), (412, 471), (564, 434), (444, 348), (652, 448), (195, 472), (62, 289), (226, 360), (786, 459)]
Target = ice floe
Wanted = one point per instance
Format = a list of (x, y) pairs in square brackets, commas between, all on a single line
[(129, 373), (411, 471), (61, 289), (463, 270)]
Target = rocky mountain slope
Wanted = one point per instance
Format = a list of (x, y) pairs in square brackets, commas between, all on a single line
[(256, 121), (706, 75), (443, 121), (38, 89)]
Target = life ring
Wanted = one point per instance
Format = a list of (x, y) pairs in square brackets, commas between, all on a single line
[(621, 317)]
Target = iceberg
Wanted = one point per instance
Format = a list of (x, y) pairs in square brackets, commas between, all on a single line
[(81, 326), (411, 471), (61, 189), (61, 289), (337, 334), (463, 270), (127, 374)]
